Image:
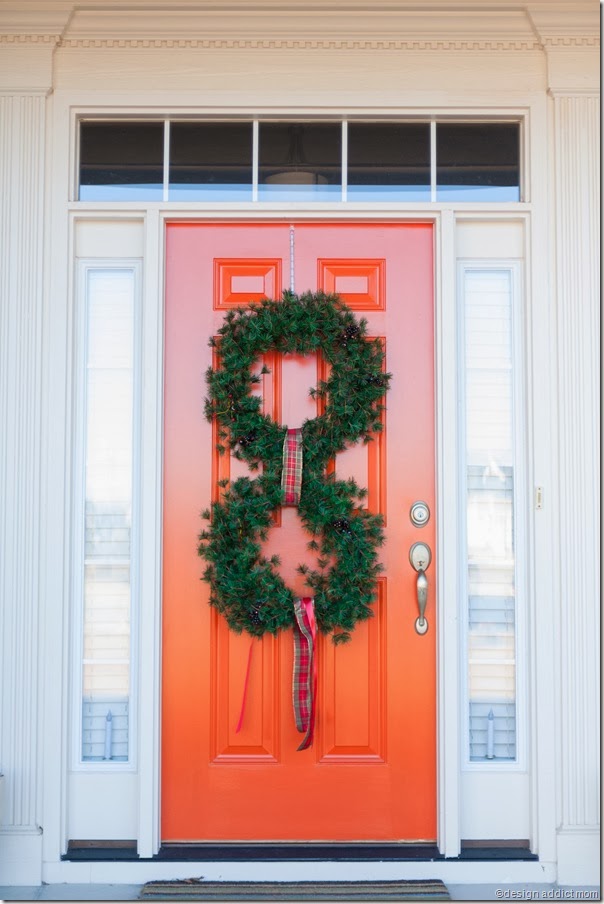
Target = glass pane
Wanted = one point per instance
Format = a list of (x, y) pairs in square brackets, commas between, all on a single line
[(300, 162), (104, 728), (478, 162), (210, 161), (108, 514), (107, 614), (388, 162), (491, 628), (121, 161)]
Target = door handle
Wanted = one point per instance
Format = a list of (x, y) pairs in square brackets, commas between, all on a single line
[(420, 557), (421, 622)]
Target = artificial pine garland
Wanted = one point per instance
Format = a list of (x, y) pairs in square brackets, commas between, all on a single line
[(245, 587)]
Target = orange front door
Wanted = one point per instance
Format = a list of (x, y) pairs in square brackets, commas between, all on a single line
[(371, 773)]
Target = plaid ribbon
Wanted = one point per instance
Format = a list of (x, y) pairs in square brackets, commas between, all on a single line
[(304, 686), (291, 478)]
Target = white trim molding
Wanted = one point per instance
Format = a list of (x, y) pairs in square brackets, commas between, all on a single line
[(302, 44), (319, 21), (572, 41), (149, 513), (576, 136), (30, 38), (579, 856), (449, 561), (394, 24), (22, 157)]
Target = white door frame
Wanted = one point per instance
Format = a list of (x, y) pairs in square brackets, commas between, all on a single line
[(58, 392)]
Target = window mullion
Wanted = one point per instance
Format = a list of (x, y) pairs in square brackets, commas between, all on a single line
[(255, 145), (166, 159), (433, 161), (345, 160)]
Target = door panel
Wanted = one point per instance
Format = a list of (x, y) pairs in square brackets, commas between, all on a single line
[(371, 772)]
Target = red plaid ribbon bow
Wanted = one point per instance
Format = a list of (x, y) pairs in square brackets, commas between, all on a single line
[(291, 478), (304, 685)]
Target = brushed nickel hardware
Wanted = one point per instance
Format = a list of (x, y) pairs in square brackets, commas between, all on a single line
[(420, 557), (419, 514)]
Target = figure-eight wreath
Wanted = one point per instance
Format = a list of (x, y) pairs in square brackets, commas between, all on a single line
[(245, 586)]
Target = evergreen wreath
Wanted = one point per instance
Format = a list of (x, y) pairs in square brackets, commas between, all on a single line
[(245, 587)]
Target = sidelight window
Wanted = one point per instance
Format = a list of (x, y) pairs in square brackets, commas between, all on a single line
[(106, 514), (490, 477)]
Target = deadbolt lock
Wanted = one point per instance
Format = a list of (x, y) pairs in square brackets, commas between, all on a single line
[(419, 514)]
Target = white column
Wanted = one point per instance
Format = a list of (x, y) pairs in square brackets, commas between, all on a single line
[(21, 310), (577, 192), (570, 36)]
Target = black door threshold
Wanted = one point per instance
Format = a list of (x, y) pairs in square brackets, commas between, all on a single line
[(296, 851), (299, 851)]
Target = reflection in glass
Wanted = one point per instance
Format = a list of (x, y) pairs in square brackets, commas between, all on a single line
[(108, 515), (121, 161), (388, 161), (478, 162), (210, 161), (300, 162), (491, 574)]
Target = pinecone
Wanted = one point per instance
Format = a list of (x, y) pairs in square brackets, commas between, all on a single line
[(255, 617), (349, 333), (247, 439)]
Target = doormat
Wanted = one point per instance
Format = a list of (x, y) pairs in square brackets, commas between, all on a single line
[(200, 890)]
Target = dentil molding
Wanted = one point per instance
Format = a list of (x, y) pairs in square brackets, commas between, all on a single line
[(45, 38), (571, 42), (474, 25), (302, 44), (324, 26)]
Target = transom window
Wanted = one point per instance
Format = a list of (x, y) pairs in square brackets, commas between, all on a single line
[(170, 160)]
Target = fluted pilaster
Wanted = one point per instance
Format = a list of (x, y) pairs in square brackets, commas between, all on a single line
[(576, 131), (21, 308)]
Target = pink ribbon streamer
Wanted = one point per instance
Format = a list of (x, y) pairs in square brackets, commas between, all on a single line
[(245, 687)]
